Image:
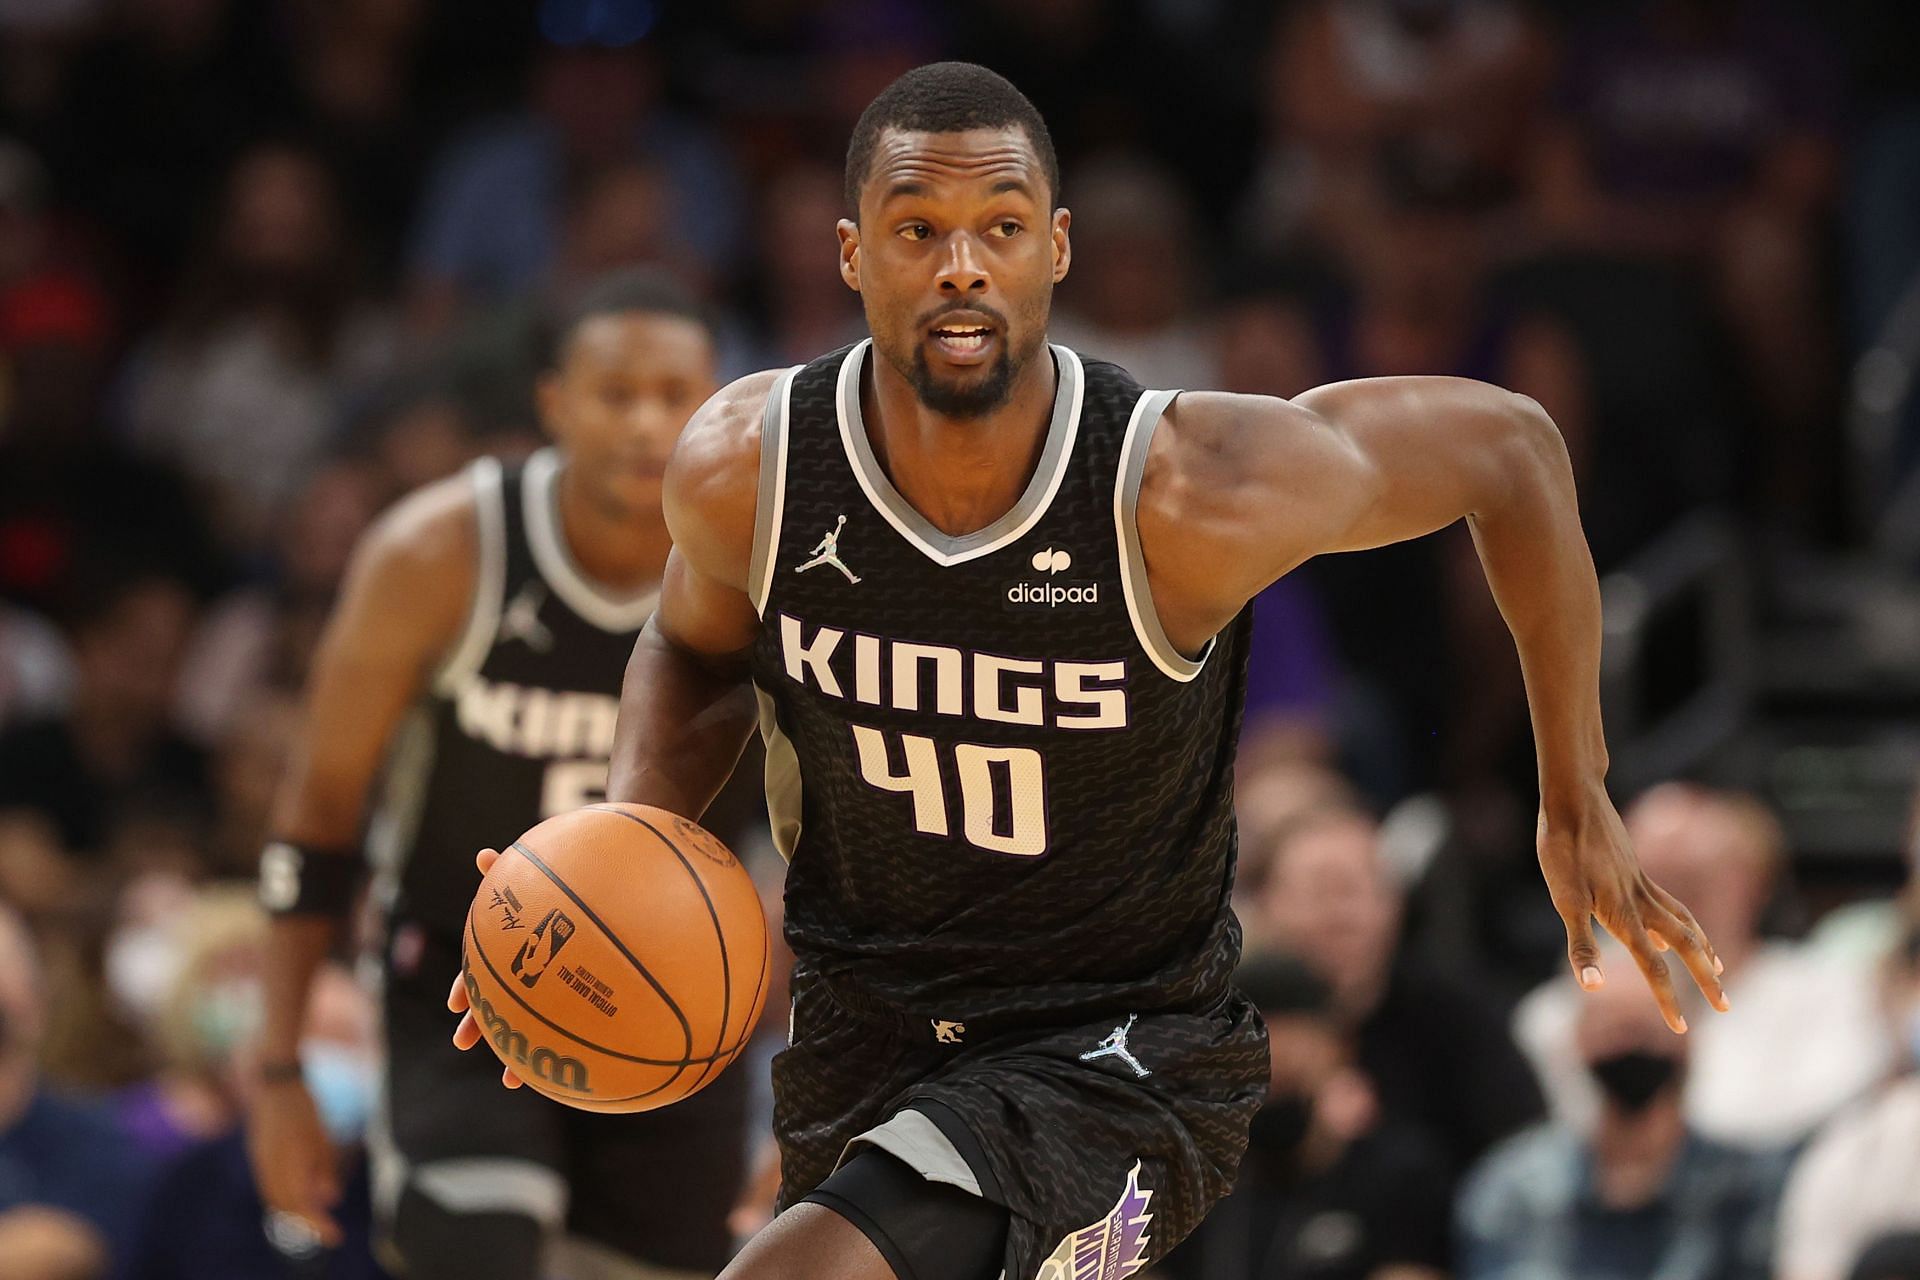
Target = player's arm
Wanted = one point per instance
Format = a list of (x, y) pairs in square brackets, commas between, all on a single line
[(686, 708), (404, 600), (1238, 490)]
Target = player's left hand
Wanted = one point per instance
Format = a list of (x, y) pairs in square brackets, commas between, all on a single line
[(1592, 873), (468, 1033)]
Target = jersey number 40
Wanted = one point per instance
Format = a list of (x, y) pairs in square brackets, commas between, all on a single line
[(1003, 790)]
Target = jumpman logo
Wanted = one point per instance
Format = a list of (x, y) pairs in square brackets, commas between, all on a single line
[(1115, 1046), (520, 620), (827, 551)]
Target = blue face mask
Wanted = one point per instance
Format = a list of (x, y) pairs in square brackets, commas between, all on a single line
[(1913, 1034), (344, 1083)]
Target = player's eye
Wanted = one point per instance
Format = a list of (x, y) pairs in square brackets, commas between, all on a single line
[(1007, 229), (917, 231)]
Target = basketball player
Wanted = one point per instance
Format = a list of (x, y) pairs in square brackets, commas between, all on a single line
[(477, 651), (1000, 719)]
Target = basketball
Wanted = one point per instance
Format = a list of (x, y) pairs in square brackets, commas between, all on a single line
[(616, 957)]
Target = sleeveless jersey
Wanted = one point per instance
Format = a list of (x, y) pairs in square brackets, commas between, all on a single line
[(518, 723), (1003, 794)]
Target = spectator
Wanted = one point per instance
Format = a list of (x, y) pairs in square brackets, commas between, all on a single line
[(1350, 76), (207, 1219), (1644, 1195), (1435, 1047), (1860, 1177), (1809, 1017), (491, 218), (114, 746), (210, 1010), (1131, 297), (71, 1183), (239, 389), (803, 307), (1329, 1190)]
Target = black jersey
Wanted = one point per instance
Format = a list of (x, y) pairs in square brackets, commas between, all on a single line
[(1003, 794), (518, 723)]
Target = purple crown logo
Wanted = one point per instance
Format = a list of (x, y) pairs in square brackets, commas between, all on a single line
[(1113, 1248)]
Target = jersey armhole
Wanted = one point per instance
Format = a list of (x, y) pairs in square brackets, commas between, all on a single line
[(1173, 664), (772, 500), (489, 579)]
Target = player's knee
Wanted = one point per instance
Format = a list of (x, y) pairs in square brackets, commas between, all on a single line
[(434, 1243)]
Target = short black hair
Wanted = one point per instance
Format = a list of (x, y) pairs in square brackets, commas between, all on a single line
[(628, 289), (947, 97)]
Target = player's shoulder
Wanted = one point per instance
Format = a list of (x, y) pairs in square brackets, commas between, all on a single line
[(713, 479), (424, 549)]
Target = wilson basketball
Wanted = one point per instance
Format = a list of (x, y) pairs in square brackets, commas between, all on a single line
[(616, 957)]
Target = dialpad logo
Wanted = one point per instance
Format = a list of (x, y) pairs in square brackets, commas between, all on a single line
[(1052, 591), (538, 951)]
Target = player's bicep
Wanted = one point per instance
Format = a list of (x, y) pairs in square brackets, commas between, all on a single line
[(403, 601), (701, 614)]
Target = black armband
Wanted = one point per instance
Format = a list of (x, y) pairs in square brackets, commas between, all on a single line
[(297, 881)]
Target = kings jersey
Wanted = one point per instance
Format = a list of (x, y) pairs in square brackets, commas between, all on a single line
[(1003, 794), (518, 722)]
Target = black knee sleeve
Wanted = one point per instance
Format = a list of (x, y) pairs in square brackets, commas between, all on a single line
[(925, 1230), (435, 1244)]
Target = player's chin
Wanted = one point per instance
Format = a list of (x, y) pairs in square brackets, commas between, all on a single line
[(635, 493)]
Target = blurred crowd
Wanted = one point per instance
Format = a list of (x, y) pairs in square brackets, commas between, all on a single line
[(267, 264)]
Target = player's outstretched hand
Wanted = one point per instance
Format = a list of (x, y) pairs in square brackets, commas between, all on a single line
[(1592, 873), (468, 1033)]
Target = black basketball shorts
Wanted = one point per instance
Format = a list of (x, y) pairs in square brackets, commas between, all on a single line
[(1107, 1142), (654, 1185)]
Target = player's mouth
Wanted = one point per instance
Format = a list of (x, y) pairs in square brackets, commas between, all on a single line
[(964, 340)]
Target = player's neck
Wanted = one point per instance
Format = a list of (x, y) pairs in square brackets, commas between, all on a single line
[(962, 474), (623, 552)]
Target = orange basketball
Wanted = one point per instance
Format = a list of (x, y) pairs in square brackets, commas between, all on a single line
[(616, 957)]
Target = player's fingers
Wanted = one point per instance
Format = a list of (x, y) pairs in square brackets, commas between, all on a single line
[(467, 1034), (1687, 941), (1583, 953), (1659, 980), (509, 1079), (1686, 917), (485, 859), (457, 996)]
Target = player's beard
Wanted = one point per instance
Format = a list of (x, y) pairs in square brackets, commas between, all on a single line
[(975, 399)]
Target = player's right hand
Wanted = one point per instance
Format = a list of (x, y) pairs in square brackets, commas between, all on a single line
[(294, 1162), (468, 1033)]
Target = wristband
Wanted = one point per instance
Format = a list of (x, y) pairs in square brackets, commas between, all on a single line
[(297, 881)]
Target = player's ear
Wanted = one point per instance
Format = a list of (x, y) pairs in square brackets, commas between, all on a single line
[(849, 252), (1062, 247)]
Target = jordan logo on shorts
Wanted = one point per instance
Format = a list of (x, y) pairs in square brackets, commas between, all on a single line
[(827, 551), (1115, 1046), (948, 1032)]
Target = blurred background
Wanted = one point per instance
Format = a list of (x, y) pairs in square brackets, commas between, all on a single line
[(267, 264)]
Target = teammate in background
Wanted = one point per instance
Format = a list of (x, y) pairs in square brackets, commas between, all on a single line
[(476, 652), (1000, 763)]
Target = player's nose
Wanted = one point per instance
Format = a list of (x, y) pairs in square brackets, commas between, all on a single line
[(963, 267)]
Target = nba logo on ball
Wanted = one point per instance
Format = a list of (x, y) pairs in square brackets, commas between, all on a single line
[(549, 936)]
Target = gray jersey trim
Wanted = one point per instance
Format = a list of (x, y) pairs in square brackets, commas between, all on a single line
[(944, 549), (911, 1137), (395, 826), (1133, 565), (772, 502), (489, 579), (782, 778), (556, 564)]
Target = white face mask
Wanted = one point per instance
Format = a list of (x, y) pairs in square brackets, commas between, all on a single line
[(141, 963)]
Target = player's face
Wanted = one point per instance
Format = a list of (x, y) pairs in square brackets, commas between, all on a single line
[(955, 257), (625, 386)]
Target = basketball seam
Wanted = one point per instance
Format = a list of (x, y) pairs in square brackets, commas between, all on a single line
[(686, 1028), (713, 914), (679, 1068)]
